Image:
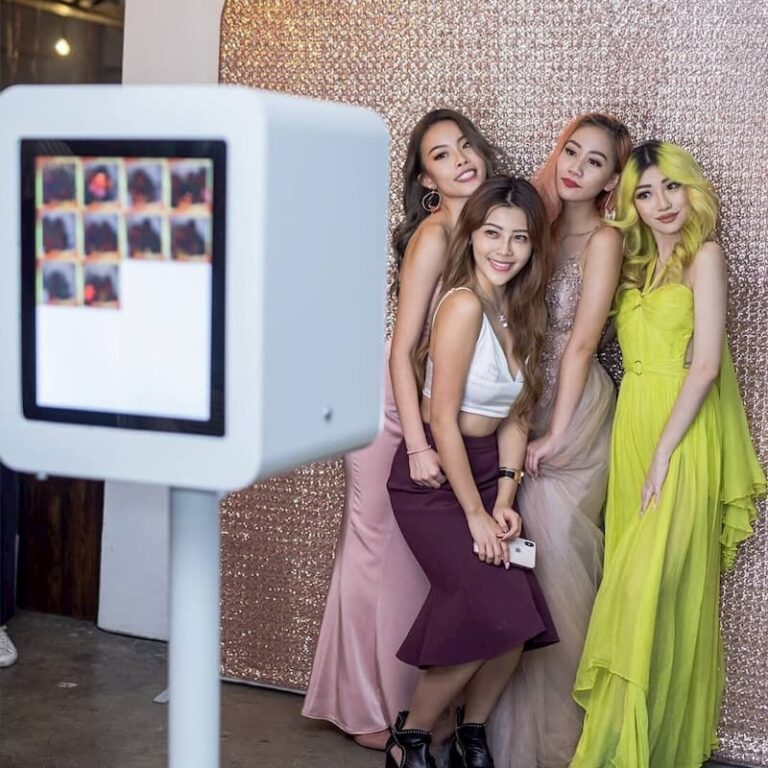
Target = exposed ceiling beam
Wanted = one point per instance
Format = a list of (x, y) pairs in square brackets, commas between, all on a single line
[(72, 12)]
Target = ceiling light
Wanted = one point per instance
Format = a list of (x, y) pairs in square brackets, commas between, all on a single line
[(62, 47)]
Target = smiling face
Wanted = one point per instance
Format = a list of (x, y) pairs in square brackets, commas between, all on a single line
[(587, 165), (501, 247), (661, 202), (451, 164)]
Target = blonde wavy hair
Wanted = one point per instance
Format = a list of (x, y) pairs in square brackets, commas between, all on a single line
[(640, 249)]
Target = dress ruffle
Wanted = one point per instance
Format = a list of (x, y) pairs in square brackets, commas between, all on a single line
[(743, 480)]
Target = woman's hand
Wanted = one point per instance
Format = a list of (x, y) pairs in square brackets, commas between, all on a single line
[(509, 521), (425, 469), (654, 480), (540, 450), (486, 533)]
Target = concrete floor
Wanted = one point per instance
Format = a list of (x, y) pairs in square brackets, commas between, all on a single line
[(82, 698)]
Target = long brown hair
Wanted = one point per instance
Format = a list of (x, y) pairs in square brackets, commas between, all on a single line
[(524, 294), (545, 179), (414, 190)]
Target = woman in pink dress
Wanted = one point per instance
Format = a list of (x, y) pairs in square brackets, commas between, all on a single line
[(537, 723), (377, 587)]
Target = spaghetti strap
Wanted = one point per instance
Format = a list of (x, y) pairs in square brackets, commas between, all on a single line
[(447, 294)]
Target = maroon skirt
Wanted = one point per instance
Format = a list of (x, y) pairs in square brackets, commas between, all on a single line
[(473, 610)]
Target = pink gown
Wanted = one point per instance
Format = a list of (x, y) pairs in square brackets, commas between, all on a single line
[(537, 724), (376, 591)]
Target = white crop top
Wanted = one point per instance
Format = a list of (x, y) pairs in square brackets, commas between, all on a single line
[(491, 389)]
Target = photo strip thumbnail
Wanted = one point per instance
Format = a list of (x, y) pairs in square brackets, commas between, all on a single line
[(57, 184), (57, 235), (101, 286), (145, 184), (58, 283), (145, 237), (191, 184), (101, 236), (191, 238), (102, 181)]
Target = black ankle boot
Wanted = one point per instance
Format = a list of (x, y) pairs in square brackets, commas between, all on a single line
[(469, 748), (413, 744)]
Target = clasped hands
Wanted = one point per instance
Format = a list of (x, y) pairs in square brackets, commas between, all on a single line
[(492, 532)]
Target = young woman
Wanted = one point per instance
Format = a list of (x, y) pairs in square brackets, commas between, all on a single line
[(683, 478), (537, 723), (357, 682), (481, 380)]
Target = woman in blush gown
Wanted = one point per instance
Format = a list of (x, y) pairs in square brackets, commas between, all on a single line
[(537, 723), (377, 587)]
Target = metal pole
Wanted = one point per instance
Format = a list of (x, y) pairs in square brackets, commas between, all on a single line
[(193, 654)]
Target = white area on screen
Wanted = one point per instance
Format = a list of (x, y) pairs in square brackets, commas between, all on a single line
[(152, 356)]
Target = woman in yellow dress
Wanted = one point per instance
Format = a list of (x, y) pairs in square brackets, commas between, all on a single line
[(682, 482)]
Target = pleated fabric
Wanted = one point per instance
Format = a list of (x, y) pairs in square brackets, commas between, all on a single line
[(651, 676), (537, 723), (376, 590)]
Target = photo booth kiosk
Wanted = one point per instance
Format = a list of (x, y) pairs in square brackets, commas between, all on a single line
[(192, 293)]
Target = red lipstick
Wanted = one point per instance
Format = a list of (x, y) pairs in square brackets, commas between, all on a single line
[(570, 183)]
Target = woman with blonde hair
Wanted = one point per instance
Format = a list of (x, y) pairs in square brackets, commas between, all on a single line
[(537, 722), (683, 479)]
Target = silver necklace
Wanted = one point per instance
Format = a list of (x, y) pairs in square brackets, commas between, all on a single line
[(500, 316)]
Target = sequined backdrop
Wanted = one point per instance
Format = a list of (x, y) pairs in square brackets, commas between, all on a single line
[(693, 71)]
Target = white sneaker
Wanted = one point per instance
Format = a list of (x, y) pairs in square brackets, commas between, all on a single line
[(8, 652)]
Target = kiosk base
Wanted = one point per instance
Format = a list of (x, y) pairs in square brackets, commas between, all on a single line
[(193, 652)]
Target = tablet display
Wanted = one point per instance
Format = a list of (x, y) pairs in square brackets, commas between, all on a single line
[(123, 283)]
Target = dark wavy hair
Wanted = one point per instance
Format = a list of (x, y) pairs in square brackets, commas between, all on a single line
[(414, 190), (524, 297)]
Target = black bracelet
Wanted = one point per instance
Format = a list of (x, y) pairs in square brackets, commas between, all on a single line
[(515, 474)]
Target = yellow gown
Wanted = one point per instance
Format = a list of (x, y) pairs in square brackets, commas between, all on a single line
[(651, 675)]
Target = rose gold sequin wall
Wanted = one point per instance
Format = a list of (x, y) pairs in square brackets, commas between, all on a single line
[(694, 72)]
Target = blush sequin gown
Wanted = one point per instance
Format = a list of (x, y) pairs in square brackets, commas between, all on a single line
[(537, 724), (376, 591)]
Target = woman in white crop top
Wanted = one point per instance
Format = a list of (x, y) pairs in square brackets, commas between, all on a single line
[(481, 382), (376, 587)]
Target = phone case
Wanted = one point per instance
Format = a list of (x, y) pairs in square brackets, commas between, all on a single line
[(522, 553)]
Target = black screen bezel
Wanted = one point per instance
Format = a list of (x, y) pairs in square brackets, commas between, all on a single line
[(213, 149)]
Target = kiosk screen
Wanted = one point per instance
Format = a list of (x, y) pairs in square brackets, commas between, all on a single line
[(122, 266)]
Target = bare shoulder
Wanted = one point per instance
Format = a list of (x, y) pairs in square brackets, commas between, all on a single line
[(461, 307), (463, 303), (430, 240), (607, 240), (603, 253), (709, 262)]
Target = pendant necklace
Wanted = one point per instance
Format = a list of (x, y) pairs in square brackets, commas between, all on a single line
[(500, 316)]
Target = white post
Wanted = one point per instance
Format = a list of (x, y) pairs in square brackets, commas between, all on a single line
[(193, 653), (188, 54)]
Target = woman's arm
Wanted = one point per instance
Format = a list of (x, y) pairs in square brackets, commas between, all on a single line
[(454, 336), (709, 283), (602, 267), (421, 269), (512, 437)]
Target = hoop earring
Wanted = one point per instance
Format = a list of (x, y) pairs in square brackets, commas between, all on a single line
[(432, 201), (609, 209)]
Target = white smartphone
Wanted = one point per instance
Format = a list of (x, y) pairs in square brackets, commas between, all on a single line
[(522, 552)]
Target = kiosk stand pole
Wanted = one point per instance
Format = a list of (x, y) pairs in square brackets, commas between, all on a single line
[(193, 654)]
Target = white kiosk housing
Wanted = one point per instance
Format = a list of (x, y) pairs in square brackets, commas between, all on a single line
[(192, 293)]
